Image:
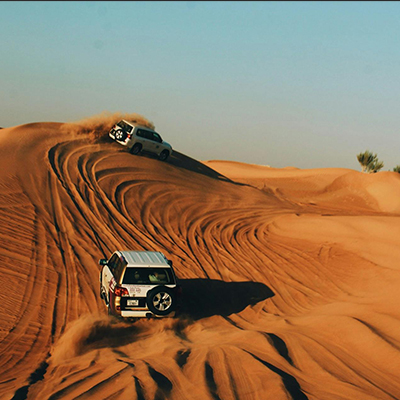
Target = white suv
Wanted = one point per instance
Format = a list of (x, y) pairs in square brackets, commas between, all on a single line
[(139, 138), (137, 284)]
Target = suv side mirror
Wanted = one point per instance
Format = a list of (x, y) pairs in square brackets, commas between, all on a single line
[(103, 261)]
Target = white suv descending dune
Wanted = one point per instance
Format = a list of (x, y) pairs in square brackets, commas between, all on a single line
[(139, 138), (137, 284)]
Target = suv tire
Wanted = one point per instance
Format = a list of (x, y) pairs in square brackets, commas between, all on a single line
[(120, 135), (161, 300), (136, 148), (164, 155)]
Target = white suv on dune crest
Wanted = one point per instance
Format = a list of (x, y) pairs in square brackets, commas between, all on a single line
[(138, 138), (137, 284)]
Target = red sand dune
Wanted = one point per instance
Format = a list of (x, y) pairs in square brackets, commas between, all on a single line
[(291, 277)]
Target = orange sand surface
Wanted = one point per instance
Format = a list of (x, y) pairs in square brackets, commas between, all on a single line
[(291, 278)]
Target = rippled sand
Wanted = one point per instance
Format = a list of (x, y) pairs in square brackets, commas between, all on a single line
[(291, 277)]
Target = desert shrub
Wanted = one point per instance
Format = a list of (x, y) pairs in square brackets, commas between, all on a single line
[(369, 162), (376, 166), (397, 169)]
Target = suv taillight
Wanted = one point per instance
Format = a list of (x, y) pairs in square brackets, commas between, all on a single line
[(121, 291)]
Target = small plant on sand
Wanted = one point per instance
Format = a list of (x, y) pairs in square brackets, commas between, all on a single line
[(369, 162), (397, 169), (376, 166)]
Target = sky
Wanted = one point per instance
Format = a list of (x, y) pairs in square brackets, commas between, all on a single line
[(304, 84)]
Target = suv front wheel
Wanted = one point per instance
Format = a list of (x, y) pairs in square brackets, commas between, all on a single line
[(164, 155)]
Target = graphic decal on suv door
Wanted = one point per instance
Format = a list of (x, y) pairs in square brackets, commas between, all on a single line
[(112, 284)]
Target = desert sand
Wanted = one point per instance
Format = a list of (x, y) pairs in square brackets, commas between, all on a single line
[(291, 278)]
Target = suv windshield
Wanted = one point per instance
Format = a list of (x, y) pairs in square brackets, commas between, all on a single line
[(125, 126), (148, 276)]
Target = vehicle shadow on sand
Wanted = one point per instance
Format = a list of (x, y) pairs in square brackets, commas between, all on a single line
[(179, 160), (182, 161), (202, 298)]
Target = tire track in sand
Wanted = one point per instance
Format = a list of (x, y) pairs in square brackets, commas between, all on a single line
[(102, 198)]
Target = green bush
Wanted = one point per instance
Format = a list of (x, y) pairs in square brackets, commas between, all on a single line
[(369, 162), (397, 169)]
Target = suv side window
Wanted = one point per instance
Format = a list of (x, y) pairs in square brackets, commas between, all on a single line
[(112, 262), (148, 135), (140, 133), (157, 137), (144, 134), (119, 269)]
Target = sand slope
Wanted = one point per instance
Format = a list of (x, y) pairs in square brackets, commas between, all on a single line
[(291, 277)]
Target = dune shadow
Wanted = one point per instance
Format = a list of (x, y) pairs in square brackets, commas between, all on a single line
[(202, 298)]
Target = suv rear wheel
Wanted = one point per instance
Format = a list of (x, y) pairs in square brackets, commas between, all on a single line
[(136, 148)]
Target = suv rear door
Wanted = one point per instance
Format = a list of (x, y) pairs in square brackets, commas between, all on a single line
[(144, 138)]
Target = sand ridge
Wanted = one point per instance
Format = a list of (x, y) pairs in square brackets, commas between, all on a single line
[(290, 276)]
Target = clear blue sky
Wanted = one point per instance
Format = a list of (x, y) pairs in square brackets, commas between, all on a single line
[(305, 84)]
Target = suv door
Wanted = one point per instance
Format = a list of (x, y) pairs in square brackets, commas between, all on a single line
[(156, 138), (108, 274), (143, 138)]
